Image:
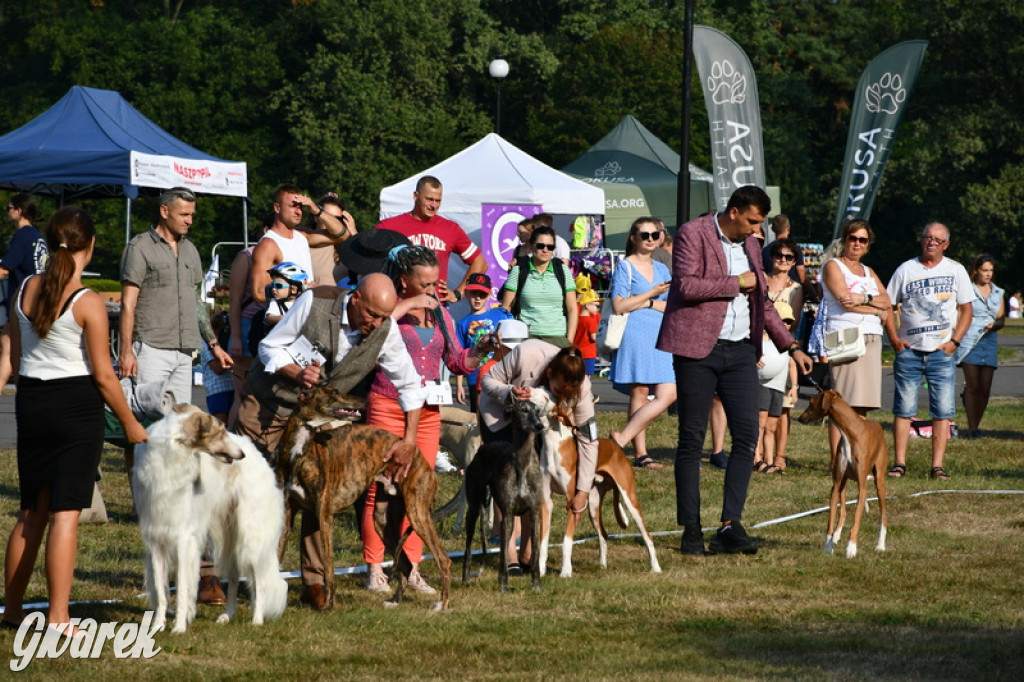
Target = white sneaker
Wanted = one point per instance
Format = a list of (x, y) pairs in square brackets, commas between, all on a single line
[(442, 464), (376, 581), (417, 583)]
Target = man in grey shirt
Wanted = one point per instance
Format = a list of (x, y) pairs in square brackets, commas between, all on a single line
[(162, 319)]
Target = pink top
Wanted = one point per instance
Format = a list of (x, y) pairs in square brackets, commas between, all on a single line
[(426, 358)]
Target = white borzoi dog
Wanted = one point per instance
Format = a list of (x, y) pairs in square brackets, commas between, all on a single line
[(193, 480)]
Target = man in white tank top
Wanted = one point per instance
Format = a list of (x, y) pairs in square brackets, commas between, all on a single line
[(283, 242)]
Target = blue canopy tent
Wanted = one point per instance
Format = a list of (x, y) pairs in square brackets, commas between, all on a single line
[(93, 143)]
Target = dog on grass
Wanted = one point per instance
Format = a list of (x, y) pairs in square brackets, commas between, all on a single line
[(327, 467), (861, 451), (614, 474), (511, 474), (193, 480)]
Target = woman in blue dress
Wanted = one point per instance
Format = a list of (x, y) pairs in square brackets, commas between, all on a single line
[(640, 287), (977, 352)]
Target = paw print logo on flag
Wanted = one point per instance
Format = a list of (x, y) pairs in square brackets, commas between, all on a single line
[(886, 95), (725, 84)]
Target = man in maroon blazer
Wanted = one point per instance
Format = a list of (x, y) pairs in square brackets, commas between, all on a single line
[(717, 312)]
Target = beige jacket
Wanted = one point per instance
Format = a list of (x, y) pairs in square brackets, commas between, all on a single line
[(524, 366)]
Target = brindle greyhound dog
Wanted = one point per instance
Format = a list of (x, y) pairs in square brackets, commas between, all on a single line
[(325, 467), (861, 451), (511, 474)]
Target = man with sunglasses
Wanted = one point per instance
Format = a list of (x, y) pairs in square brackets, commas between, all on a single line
[(285, 243), (934, 295), (717, 312), (163, 321)]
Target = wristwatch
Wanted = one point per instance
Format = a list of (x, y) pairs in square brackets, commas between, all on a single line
[(955, 342), (868, 299), (793, 349), (320, 210), (650, 303)]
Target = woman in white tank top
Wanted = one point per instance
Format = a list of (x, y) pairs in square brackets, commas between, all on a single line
[(853, 296), (61, 352)]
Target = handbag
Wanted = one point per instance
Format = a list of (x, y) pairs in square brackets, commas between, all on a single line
[(844, 345), (612, 326)]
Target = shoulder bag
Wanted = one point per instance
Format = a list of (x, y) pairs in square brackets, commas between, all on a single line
[(612, 326), (844, 345)]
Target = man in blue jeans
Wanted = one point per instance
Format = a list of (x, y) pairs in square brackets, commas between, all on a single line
[(934, 294)]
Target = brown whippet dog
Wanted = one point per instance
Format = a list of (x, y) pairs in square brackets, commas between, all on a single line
[(861, 452), (325, 470)]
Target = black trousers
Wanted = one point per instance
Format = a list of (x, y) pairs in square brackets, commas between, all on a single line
[(730, 370)]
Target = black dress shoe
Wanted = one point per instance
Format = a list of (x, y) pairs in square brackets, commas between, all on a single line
[(719, 460), (693, 541), (732, 539), (314, 596)]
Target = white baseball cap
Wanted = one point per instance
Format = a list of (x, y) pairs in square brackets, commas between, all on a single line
[(513, 332)]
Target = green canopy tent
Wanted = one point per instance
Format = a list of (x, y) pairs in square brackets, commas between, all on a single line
[(638, 173)]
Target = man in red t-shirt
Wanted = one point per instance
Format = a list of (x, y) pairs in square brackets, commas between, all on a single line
[(424, 227)]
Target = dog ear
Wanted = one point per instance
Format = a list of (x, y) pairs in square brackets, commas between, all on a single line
[(197, 427)]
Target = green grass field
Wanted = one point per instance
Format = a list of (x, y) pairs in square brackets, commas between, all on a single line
[(945, 602)]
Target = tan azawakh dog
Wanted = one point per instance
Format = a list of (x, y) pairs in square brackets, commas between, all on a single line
[(862, 451)]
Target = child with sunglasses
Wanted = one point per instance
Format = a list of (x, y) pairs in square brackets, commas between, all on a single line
[(287, 281)]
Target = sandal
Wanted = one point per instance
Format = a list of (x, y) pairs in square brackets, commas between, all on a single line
[(898, 471), (939, 473), (760, 466), (773, 469), (645, 461)]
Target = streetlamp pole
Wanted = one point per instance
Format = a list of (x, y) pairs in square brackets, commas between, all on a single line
[(498, 68), (683, 186)]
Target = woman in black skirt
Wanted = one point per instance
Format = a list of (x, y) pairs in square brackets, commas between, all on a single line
[(61, 354)]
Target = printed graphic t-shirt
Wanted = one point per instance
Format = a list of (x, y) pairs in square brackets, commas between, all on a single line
[(440, 235), (929, 298)]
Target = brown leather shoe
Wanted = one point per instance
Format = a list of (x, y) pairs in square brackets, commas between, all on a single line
[(314, 596), (210, 592)]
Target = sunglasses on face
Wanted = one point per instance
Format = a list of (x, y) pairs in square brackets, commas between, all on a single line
[(279, 285), (934, 239), (788, 257), (649, 236), (540, 246), (857, 240)]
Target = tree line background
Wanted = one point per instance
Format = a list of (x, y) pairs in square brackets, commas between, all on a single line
[(347, 96)]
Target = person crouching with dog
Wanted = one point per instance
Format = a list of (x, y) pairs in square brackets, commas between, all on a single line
[(522, 364), (60, 349), (429, 334)]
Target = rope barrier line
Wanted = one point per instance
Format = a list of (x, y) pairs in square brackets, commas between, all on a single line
[(356, 570)]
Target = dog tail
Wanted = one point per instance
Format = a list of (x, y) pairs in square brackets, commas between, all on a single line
[(621, 513), (275, 589)]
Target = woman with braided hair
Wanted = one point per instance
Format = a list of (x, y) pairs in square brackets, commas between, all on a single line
[(429, 334)]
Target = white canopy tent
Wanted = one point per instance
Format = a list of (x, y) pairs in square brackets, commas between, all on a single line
[(493, 172)]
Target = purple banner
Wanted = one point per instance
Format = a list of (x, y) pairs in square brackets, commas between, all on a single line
[(499, 237)]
